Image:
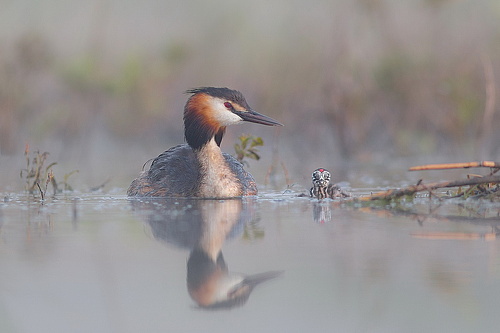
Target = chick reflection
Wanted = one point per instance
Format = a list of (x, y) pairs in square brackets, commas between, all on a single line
[(322, 212), (202, 226)]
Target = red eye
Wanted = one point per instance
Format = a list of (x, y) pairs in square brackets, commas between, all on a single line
[(228, 105)]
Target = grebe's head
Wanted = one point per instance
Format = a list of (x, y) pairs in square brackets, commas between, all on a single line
[(321, 177), (209, 110)]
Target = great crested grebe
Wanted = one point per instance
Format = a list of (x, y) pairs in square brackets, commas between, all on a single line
[(199, 168), (322, 188)]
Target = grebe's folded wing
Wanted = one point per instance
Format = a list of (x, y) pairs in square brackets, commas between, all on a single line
[(247, 182), (175, 172)]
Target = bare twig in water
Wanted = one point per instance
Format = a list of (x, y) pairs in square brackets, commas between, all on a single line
[(287, 175), (41, 192), (50, 179), (413, 189), (68, 187), (98, 187), (465, 165)]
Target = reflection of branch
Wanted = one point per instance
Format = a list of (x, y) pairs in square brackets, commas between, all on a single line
[(454, 235), (493, 220), (479, 220)]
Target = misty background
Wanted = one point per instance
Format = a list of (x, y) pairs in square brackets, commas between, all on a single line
[(360, 85)]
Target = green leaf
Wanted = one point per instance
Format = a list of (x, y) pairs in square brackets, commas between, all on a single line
[(246, 147), (257, 141), (253, 155)]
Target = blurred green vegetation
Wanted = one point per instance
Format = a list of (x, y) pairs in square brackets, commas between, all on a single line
[(357, 77), (247, 148)]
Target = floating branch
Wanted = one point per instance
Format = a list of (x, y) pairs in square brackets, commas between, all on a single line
[(465, 165), (411, 190)]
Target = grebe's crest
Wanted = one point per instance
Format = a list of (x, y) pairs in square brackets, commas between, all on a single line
[(321, 177), (227, 94)]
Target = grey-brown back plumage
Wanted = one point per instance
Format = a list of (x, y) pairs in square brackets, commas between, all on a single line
[(176, 173)]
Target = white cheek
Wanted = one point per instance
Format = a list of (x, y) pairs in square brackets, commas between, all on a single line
[(224, 116)]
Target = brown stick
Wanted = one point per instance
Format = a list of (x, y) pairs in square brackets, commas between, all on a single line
[(483, 164), (410, 190)]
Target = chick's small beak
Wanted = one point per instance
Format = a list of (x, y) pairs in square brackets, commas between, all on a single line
[(255, 117)]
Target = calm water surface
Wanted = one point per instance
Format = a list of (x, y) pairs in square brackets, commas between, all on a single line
[(277, 263)]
